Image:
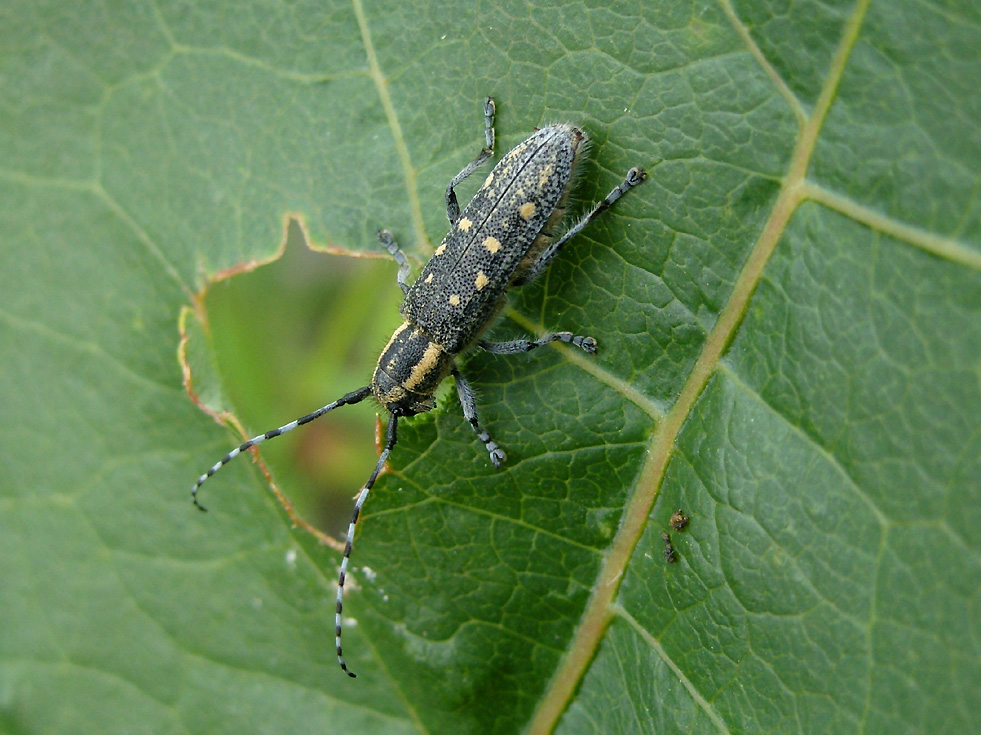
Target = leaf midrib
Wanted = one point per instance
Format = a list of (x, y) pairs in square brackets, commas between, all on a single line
[(600, 610)]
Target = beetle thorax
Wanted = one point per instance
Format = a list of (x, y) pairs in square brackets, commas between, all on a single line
[(408, 372)]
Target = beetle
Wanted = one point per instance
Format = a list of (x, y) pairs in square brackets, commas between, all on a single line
[(502, 238)]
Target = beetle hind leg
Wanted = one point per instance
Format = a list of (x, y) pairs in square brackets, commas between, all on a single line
[(452, 205), (634, 177)]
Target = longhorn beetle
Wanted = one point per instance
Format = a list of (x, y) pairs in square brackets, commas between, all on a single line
[(502, 238)]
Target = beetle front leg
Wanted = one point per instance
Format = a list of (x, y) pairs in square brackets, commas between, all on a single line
[(386, 239)]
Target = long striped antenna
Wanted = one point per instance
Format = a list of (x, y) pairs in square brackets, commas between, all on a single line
[(351, 398), (391, 436)]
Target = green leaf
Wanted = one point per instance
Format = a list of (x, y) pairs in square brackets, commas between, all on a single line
[(789, 320)]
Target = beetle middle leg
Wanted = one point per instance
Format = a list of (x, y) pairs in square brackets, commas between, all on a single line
[(514, 346)]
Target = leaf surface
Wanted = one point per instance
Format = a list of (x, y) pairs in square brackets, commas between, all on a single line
[(789, 320)]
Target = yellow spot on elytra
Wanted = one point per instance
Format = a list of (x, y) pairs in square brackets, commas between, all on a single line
[(429, 278), (488, 180), (492, 244), (481, 281), (464, 224), (441, 249), (527, 210), (454, 300), (545, 175)]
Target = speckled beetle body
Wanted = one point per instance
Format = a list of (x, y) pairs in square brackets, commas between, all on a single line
[(491, 244), (496, 239), (503, 238)]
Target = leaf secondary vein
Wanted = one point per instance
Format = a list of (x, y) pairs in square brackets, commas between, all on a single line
[(942, 247), (757, 53), (381, 85), (655, 644)]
